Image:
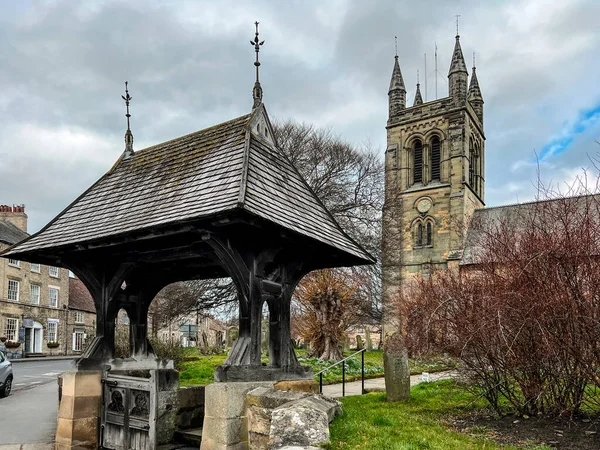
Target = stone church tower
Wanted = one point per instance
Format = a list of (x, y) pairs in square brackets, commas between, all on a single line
[(434, 176)]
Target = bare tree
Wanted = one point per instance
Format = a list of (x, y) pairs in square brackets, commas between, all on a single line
[(523, 317)]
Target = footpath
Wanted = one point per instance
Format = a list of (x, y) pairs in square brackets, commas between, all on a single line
[(378, 384)]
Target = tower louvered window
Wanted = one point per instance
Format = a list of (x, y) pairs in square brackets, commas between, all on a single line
[(435, 159), (419, 234), (471, 164), (418, 162)]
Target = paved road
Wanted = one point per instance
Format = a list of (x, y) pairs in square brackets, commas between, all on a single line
[(28, 374), (29, 415)]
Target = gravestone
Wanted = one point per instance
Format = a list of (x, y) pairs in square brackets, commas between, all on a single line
[(397, 373), (368, 339), (359, 342)]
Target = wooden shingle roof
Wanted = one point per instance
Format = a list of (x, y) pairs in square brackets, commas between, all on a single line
[(225, 168)]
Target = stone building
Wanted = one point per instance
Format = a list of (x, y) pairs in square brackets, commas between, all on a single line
[(434, 175), (33, 297), (81, 323)]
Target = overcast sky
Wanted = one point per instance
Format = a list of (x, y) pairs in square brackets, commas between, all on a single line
[(189, 65)]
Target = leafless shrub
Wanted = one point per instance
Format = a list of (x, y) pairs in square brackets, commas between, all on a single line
[(524, 318)]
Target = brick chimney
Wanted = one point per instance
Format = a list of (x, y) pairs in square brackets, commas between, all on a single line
[(14, 214)]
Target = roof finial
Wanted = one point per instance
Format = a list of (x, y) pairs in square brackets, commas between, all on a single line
[(128, 133), (396, 43), (257, 91), (417, 76), (473, 60), (457, 16)]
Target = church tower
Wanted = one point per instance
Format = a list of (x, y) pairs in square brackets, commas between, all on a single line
[(434, 176)]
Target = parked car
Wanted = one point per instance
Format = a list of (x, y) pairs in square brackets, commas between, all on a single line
[(6, 375)]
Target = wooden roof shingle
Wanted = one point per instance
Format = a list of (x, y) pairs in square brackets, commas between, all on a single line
[(220, 169)]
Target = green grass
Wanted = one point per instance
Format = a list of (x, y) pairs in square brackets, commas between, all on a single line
[(370, 423), (198, 369)]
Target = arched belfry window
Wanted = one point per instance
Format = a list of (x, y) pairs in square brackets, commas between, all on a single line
[(471, 164), (435, 158), (418, 161)]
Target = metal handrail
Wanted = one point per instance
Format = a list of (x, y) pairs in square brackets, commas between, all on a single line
[(343, 363)]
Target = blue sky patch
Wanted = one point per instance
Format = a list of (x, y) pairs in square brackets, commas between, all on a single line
[(561, 143)]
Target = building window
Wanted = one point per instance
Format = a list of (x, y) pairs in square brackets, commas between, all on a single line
[(435, 158), (78, 317), (53, 297), (419, 234), (78, 337), (53, 271), (429, 233), (36, 268), (11, 329), (471, 165), (34, 294), (418, 161), (14, 262), (52, 331), (13, 290)]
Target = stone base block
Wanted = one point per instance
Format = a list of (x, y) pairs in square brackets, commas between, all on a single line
[(310, 386), (77, 426), (225, 422), (227, 373)]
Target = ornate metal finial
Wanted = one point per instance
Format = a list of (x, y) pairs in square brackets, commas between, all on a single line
[(418, 77), (457, 16), (473, 60), (396, 43), (128, 133), (257, 91)]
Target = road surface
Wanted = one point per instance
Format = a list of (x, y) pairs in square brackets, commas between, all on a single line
[(28, 374), (28, 414)]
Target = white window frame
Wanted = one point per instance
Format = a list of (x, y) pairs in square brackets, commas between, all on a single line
[(50, 290), (53, 271), (78, 338), (14, 332), (39, 294), (79, 317), (36, 268), (52, 330), (17, 292), (14, 263)]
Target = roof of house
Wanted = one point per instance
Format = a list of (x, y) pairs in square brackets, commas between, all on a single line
[(79, 297), (228, 167), (10, 233)]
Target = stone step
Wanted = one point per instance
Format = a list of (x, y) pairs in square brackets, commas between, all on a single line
[(192, 436)]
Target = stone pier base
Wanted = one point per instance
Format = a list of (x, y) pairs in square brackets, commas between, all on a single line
[(79, 410), (225, 422)]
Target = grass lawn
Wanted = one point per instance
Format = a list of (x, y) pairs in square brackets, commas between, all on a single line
[(370, 423), (198, 369)]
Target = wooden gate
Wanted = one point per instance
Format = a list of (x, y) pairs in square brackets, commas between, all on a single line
[(128, 413)]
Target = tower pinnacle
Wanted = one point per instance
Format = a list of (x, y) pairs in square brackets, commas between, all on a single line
[(474, 95), (128, 133), (397, 91), (418, 96), (457, 75), (257, 92)]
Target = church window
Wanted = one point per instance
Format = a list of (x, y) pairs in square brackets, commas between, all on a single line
[(435, 159), (471, 164), (419, 234), (418, 162), (429, 234)]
